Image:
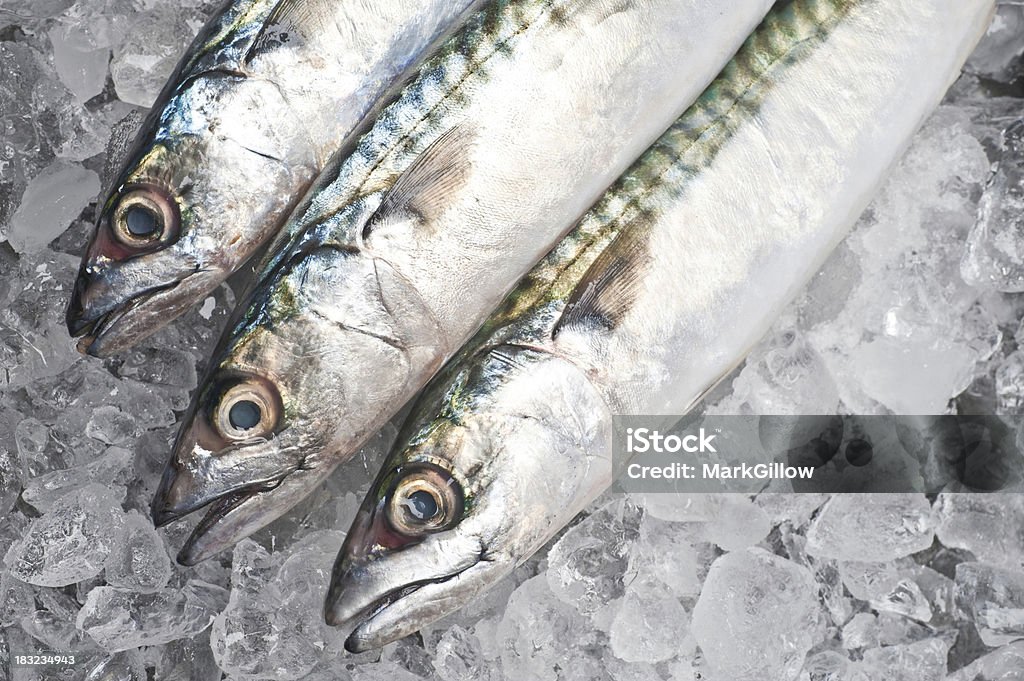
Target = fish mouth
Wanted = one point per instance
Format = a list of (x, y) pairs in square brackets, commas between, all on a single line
[(97, 336), (237, 514), (193, 552), (381, 622)]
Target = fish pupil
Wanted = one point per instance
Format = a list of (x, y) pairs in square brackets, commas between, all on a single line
[(244, 415), (140, 221), (422, 505)]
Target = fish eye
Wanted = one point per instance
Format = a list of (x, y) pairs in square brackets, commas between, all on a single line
[(144, 217), (247, 409), (424, 499)]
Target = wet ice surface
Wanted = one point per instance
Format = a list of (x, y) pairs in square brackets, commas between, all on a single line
[(919, 311)]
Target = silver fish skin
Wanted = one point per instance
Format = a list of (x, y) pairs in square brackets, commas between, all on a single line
[(507, 135), (657, 293), (266, 93)]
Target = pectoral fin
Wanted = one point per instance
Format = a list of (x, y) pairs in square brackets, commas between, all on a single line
[(425, 186), (609, 288)]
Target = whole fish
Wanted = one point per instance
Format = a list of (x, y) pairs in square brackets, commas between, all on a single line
[(267, 92), (522, 119), (661, 288)]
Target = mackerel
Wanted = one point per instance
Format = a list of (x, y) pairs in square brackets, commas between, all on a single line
[(267, 92), (658, 292), (506, 136)]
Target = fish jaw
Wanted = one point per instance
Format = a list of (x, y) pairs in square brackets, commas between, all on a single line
[(234, 516), (104, 332)]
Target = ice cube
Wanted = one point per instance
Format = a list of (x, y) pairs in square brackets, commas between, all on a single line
[(921, 661), (586, 566), (10, 480), (34, 341), (112, 426), (650, 625), (139, 562), (756, 617), (1010, 385), (995, 248), (51, 201), (188, 659), (871, 527), (273, 626), (114, 467), (37, 451), (666, 551), (152, 41), (72, 541), (998, 54), (382, 671), (126, 666), (81, 52), (460, 657), (121, 619), (16, 598), (861, 632), (886, 588), (545, 639), (993, 598), (1002, 664), (990, 526)]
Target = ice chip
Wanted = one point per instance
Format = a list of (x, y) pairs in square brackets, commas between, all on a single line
[(152, 41), (121, 619), (993, 598), (1002, 664), (114, 467), (921, 661), (544, 639), (112, 426), (10, 480), (650, 625), (913, 376), (72, 541), (51, 201), (886, 588), (459, 656), (586, 566), (140, 561), (995, 248), (1010, 385), (188, 659), (126, 666), (990, 526), (80, 55), (273, 625), (756, 616), (871, 527)]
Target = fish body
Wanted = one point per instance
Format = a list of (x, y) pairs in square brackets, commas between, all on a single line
[(506, 136), (660, 289), (267, 92)]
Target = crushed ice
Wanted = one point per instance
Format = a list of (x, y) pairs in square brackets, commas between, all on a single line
[(788, 587)]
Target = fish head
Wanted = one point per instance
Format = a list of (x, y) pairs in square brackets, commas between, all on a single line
[(198, 195), (281, 405), (487, 474)]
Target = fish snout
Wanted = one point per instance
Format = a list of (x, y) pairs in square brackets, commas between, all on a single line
[(172, 499)]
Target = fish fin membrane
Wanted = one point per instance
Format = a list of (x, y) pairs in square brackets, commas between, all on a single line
[(425, 188), (290, 22), (609, 288)]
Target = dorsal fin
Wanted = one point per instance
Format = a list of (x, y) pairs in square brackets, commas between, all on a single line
[(610, 286), (290, 22), (422, 189)]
